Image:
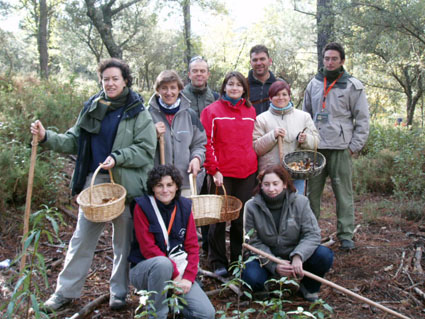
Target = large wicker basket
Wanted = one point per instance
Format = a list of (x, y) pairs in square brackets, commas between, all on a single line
[(317, 159), (205, 208), (102, 202), (231, 207)]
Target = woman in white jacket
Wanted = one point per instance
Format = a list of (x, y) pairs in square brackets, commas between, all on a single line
[(295, 127)]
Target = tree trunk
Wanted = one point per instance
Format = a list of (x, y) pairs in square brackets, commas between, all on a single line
[(325, 27), (42, 40), (187, 30), (102, 20)]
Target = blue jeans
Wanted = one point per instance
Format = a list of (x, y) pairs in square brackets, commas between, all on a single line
[(299, 185), (319, 264)]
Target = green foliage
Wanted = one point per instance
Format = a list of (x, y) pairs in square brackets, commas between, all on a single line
[(26, 292), (21, 102), (174, 300), (146, 306), (393, 162)]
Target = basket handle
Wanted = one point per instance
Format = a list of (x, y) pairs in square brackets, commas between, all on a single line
[(225, 196), (280, 146), (192, 183), (315, 153), (94, 177)]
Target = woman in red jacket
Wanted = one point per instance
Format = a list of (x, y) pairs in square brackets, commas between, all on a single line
[(230, 159)]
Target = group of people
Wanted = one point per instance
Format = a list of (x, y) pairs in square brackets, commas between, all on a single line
[(225, 139)]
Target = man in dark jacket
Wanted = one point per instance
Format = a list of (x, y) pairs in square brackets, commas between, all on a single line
[(260, 78), (197, 91)]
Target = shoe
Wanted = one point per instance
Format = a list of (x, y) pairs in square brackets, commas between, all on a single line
[(347, 244), (55, 302), (221, 271), (116, 303), (309, 296)]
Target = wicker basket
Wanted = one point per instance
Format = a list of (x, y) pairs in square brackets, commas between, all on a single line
[(102, 202), (206, 208), (231, 207), (318, 160)]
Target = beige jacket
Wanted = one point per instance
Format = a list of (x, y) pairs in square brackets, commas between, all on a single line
[(294, 121)]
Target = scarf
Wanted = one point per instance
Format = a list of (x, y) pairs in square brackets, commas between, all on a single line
[(275, 205), (332, 75), (91, 120), (169, 109), (281, 110), (233, 101), (198, 91)]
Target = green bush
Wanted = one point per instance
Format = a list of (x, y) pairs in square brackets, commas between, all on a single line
[(392, 160), (23, 100)]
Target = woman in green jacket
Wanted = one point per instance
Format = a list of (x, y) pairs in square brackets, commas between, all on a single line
[(113, 129)]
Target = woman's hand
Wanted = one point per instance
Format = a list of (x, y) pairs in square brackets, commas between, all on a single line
[(194, 166), (218, 179), (38, 129), (160, 128), (184, 284), (297, 263), (302, 137), (279, 131), (108, 163), (285, 269)]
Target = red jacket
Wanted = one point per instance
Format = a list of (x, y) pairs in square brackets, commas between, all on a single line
[(229, 146)]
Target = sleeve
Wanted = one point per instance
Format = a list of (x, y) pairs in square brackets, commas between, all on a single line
[(199, 139), (191, 247), (211, 163), (263, 141), (254, 240), (142, 151), (360, 111), (307, 106), (313, 137), (309, 231)]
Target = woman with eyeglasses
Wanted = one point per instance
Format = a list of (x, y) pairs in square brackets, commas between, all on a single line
[(230, 160)]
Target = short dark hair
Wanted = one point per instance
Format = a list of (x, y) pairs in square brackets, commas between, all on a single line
[(281, 172), (157, 173), (115, 63), (168, 76), (258, 49), (242, 80), (334, 46), (278, 86)]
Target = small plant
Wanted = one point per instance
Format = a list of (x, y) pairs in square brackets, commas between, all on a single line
[(146, 306), (321, 310), (26, 291), (175, 299)]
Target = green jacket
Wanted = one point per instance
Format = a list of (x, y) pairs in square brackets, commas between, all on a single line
[(199, 98), (133, 148), (298, 232)]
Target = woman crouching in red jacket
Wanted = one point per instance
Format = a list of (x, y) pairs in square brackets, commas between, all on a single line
[(231, 160)]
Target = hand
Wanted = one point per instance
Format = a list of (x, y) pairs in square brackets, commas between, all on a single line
[(38, 129), (286, 269), (218, 179), (279, 131), (184, 284), (194, 166), (298, 266), (108, 163), (160, 128), (302, 137)]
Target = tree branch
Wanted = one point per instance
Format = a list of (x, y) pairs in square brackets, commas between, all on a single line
[(123, 6)]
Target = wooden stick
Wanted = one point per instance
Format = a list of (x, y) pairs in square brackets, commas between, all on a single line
[(90, 307), (34, 144), (329, 283), (280, 146), (162, 149)]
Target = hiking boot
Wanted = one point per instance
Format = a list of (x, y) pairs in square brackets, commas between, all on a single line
[(221, 271), (347, 244), (55, 302), (309, 296), (116, 303)]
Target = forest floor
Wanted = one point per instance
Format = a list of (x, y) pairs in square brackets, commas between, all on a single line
[(381, 267)]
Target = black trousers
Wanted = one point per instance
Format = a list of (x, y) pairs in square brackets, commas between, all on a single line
[(241, 188)]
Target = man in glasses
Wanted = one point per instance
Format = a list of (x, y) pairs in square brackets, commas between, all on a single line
[(337, 103), (197, 90), (260, 78)]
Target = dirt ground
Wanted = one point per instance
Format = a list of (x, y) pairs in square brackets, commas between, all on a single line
[(381, 268)]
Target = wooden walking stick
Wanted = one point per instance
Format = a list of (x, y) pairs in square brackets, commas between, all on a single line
[(161, 149), (34, 144), (329, 283), (280, 146)]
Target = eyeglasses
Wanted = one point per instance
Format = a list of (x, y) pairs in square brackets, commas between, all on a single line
[(196, 58)]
